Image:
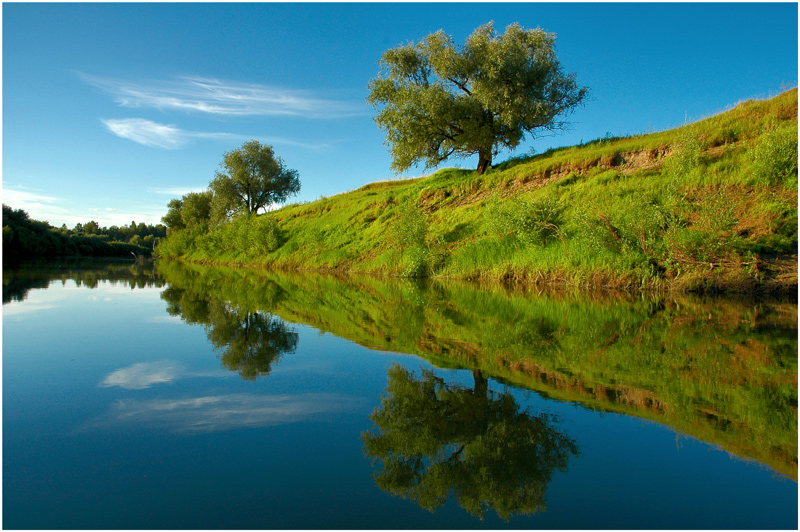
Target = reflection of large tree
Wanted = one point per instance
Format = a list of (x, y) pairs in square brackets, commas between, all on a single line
[(436, 440), (249, 342)]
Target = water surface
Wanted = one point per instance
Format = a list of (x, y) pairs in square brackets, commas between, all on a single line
[(188, 397)]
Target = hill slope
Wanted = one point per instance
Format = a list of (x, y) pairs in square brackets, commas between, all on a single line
[(708, 206)]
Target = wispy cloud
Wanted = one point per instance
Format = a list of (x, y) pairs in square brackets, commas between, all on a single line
[(176, 191), (148, 133), (223, 412), (223, 98), (170, 137)]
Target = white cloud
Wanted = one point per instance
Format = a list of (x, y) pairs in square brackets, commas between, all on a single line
[(18, 197), (148, 133), (224, 412), (40, 207), (225, 98)]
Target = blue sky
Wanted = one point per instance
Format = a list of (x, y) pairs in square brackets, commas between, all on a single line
[(111, 110)]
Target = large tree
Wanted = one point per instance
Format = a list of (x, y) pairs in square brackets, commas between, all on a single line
[(436, 101), (251, 178)]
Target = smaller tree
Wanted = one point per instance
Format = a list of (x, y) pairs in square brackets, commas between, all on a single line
[(250, 179), (196, 208), (173, 219), (191, 210)]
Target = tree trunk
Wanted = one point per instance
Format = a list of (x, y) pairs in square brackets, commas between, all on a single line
[(481, 384), (484, 161)]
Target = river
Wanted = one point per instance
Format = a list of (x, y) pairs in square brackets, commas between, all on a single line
[(177, 397)]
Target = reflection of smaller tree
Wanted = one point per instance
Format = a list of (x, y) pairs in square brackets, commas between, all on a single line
[(250, 342), (437, 440)]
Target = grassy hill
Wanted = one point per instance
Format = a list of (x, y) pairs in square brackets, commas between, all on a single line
[(705, 207)]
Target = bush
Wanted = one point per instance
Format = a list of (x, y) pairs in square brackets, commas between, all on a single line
[(416, 262), (685, 158), (534, 222), (774, 156), (411, 228)]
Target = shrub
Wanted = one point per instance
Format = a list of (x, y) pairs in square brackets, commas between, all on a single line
[(685, 158), (534, 222), (774, 156), (416, 262), (411, 227)]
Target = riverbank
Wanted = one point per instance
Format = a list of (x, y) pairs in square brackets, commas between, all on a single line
[(707, 207)]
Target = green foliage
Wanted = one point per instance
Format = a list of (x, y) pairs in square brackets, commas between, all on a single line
[(686, 157), (774, 156), (245, 236), (436, 440), (534, 223), (196, 209), (179, 243), (411, 227), (249, 340), (173, 218), (410, 233), (251, 178), (436, 101), (24, 238)]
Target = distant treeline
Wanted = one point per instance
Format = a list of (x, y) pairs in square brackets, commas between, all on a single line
[(25, 238)]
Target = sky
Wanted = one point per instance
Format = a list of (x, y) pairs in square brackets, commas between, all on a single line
[(111, 110)]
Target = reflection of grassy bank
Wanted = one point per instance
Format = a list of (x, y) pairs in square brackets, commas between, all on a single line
[(710, 206), (724, 371)]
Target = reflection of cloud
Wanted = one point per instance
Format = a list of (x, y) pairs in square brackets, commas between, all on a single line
[(223, 98), (142, 375), (224, 412), (13, 308)]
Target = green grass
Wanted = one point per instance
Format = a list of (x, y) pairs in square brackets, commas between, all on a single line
[(705, 207)]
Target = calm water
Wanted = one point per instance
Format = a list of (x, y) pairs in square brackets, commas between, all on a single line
[(202, 398)]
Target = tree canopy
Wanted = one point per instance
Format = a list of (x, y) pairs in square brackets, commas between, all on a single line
[(436, 101), (251, 178), (191, 210)]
